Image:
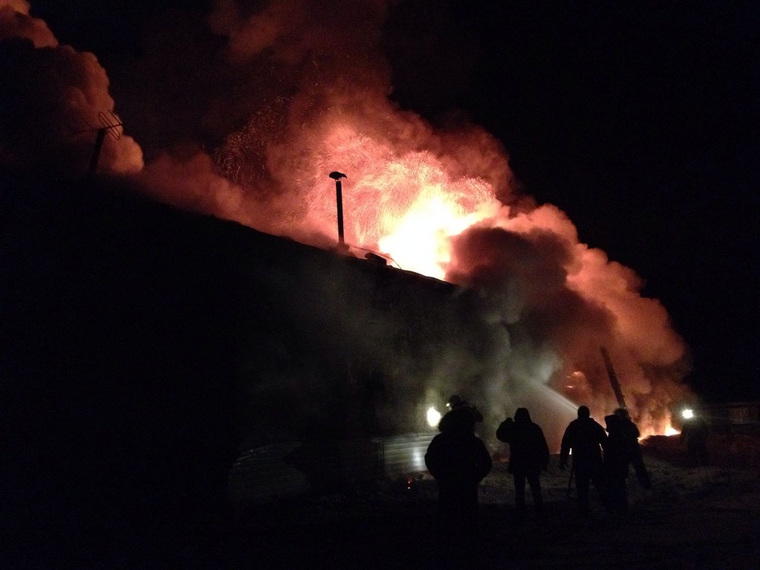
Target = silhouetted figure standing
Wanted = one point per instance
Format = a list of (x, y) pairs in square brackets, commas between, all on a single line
[(585, 438), (631, 434), (694, 432), (617, 456), (528, 456), (459, 461)]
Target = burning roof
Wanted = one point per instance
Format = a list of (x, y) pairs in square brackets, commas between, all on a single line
[(280, 101)]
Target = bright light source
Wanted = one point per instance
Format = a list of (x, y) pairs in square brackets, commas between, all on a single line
[(687, 414), (670, 430), (433, 417)]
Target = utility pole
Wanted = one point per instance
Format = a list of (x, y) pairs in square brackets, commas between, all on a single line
[(110, 125)]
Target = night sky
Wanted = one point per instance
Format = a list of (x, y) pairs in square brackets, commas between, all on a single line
[(639, 120)]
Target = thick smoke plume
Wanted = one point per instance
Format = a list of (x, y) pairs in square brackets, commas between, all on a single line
[(51, 99), (284, 92)]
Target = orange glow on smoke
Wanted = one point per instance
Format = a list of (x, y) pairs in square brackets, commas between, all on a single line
[(405, 204), (409, 192), (411, 189), (419, 240)]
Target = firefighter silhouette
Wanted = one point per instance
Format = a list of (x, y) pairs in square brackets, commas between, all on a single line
[(528, 456), (458, 460), (585, 437)]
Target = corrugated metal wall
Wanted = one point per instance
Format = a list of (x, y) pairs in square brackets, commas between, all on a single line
[(734, 415), (286, 470), (404, 454), (263, 474)]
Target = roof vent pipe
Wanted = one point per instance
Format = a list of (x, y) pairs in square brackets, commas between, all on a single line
[(339, 200)]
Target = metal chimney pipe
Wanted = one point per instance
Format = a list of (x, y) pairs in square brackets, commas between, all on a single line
[(339, 200)]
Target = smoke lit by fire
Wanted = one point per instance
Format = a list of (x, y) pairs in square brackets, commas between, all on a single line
[(297, 93)]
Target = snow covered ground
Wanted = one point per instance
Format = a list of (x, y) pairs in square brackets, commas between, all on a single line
[(693, 517)]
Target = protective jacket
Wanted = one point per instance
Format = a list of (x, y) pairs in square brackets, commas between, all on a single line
[(585, 437), (528, 450)]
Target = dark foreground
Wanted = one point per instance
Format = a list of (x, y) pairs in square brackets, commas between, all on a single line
[(694, 517)]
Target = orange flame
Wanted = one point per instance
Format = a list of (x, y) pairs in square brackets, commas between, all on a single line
[(404, 204), (409, 202)]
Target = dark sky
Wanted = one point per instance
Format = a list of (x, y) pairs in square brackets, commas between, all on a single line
[(639, 120), (642, 124)]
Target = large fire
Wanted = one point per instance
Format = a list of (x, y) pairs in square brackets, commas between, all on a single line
[(440, 202), (430, 214)]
